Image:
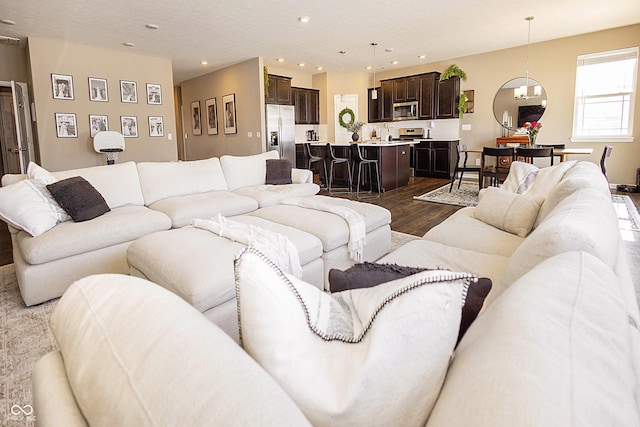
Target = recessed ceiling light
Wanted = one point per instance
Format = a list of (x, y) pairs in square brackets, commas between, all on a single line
[(128, 44), (8, 21), (422, 56), (304, 19), (152, 26), (204, 62), (319, 68), (280, 59), (394, 62), (368, 67), (301, 64)]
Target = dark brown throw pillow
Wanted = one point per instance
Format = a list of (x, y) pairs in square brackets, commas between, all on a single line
[(78, 198), (476, 295), (368, 274), (278, 172)]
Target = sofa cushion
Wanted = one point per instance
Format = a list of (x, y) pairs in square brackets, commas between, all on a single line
[(368, 274), (269, 195), (554, 350), (119, 184), (78, 198), (246, 171), (136, 355), (160, 180), (72, 238), (182, 209), (278, 172), (511, 212), (362, 357)]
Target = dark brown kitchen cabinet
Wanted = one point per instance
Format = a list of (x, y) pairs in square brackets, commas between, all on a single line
[(394, 165), (306, 103), (405, 89), (448, 97), (386, 88), (428, 90), (435, 159), (374, 106), (279, 91)]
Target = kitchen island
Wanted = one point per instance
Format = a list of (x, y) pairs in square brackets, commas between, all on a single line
[(393, 161)]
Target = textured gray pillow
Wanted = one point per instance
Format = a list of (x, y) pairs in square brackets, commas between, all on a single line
[(278, 171), (78, 198)]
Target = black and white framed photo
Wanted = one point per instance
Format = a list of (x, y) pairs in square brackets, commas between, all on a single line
[(211, 110), (98, 123), (129, 126), (62, 86), (98, 90), (66, 125), (128, 91), (196, 122), (156, 126), (230, 119), (154, 94)]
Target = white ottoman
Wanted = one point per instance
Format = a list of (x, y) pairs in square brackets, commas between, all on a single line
[(333, 230), (197, 265)]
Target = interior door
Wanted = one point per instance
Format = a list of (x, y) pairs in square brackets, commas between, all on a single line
[(16, 138), (8, 137), (22, 117), (339, 103)]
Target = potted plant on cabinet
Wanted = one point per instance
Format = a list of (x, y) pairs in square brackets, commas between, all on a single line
[(453, 71)]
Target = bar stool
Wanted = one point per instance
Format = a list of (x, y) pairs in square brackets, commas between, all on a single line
[(311, 159), (360, 161), (333, 160)]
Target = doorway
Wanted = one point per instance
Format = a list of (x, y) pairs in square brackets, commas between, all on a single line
[(16, 138)]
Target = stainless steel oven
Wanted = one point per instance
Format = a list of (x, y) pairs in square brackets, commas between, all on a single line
[(405, 110)]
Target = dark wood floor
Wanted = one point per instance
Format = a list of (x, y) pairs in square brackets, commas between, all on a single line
[(407, 215)]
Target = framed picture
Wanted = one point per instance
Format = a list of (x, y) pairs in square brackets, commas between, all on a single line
[(62, 86), (128, 91), (154, 94), (230, 119), (196, 124), (212, 116), (98, 90), (66, 125), (129, 126), (156, 126), (98, 124)]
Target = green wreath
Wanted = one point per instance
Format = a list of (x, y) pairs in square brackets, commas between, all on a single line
[(343, 113)]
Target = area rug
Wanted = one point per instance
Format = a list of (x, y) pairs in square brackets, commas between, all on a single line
[(628, 216), (467, 195), (25, 337)]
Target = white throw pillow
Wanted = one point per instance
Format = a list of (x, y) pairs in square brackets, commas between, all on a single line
[(37, 172), (366, 357), (246, 171), (25, 206), (511, 212)]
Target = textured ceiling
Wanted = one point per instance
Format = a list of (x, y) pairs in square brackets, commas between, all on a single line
[(226, 32)]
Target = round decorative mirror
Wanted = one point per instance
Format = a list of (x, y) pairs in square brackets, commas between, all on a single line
[(518, 101)]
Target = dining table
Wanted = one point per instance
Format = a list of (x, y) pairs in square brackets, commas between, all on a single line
[(563, 153)]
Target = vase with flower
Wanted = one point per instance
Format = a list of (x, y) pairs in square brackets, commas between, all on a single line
[(532, 129)]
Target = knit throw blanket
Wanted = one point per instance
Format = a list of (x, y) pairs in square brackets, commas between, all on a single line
[(275, 246), (357, 230)]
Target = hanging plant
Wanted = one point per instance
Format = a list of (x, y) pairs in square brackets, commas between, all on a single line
[(346, 111), (462, 104), (265, 72), (452, 71)]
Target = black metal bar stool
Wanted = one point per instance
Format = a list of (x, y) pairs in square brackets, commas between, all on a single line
[(333, 160), (310, 159), (359, 162)]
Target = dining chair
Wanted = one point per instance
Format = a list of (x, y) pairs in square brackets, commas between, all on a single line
[(333, 161), (555, 147), (529, 153), (490, 164), (310, 159), (606, 152), (461, 148), (374, 170)]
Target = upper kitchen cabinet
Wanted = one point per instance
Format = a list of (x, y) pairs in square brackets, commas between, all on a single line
[(374, 106), (448, 96), (405, 89), (386, 110), (279, 91), (307, 105), (428, 91)]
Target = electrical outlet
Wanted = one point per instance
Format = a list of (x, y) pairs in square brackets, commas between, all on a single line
[(249, 135), (466, 127), (257, 134)]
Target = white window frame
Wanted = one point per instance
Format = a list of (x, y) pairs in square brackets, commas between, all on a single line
[(629, 92)]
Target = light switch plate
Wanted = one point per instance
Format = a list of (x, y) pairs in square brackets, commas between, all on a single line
[(249, 135), (466, 127)]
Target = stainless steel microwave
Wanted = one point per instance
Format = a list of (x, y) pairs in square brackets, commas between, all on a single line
[(405, 110)]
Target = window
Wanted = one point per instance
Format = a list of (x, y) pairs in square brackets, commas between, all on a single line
[(605, 90)]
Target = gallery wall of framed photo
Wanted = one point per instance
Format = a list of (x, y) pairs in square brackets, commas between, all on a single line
[(80, 91)]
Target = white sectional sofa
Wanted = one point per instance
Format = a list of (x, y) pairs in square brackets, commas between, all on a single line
[(557, 342), (144, 198)]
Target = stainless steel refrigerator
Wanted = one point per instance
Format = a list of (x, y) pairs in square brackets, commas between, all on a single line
[(281, 131)]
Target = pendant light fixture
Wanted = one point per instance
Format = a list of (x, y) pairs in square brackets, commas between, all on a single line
[(523, 91), (374, 92), (342, 52)]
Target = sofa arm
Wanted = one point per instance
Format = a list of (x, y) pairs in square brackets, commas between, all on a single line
[(301, 176)]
